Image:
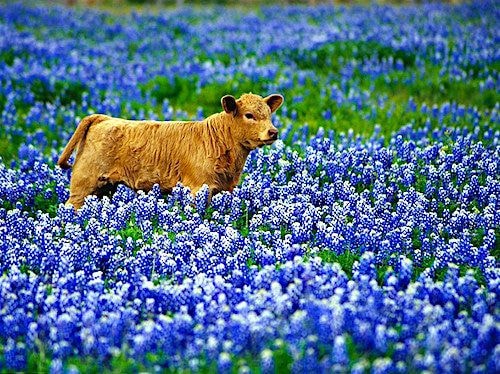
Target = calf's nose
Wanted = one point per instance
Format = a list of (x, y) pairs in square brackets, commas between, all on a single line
[(273, 133)]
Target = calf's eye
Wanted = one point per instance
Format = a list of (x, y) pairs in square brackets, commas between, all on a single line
[(249, 116)]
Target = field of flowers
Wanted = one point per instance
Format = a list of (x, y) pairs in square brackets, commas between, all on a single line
[(366, 239)]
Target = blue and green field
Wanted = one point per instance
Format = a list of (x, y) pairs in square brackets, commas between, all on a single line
[(366, 239)]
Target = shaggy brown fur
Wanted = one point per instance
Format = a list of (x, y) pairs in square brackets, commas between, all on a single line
[(143, 153)]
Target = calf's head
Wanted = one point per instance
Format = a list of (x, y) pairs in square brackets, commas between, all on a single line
[(251, 116)]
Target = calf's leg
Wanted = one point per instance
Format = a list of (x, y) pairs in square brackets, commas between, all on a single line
[(84, 181)]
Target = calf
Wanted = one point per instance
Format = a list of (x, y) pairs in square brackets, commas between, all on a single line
[(140, 154)]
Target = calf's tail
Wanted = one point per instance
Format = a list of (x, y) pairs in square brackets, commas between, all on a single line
[(78, 136)]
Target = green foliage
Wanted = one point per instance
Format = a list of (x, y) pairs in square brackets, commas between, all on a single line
[(241, 224), (353, 351), (184, 92), (496, 251), (210, 95), (45, 201), (177, 91), (9, 55), (431, 87), (439, 274), (66, 91), (121, 363), (381, 273), (346, 259), (38, 362), (9, 146), (131, 231), (282, 360), (331, 57), (478, 273)]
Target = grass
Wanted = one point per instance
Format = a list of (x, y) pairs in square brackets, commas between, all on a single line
[(330, 58), (432, 88), (39, 362), (346, 259)]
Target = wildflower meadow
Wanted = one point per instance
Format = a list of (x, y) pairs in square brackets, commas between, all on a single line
[(366, 239)]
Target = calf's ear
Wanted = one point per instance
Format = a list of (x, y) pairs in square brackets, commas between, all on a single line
[(274, 101), (229, 104)]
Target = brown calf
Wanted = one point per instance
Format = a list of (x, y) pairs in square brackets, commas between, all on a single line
[(140, 154)]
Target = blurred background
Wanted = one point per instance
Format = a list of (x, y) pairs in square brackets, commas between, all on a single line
[(162, 3)]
